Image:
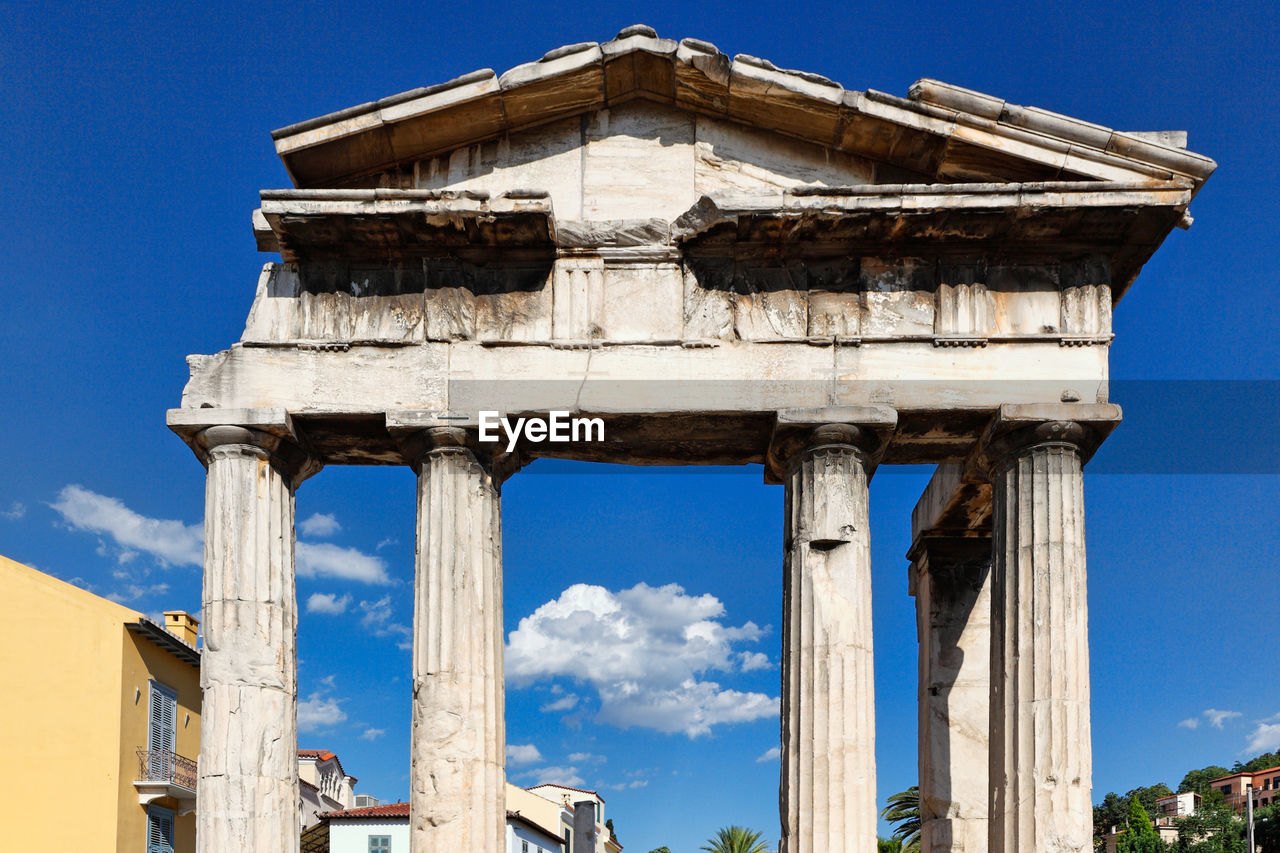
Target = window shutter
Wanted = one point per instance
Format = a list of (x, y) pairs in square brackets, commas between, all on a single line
[(162, 729), (159, 830)]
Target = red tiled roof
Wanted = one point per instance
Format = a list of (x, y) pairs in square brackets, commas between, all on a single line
[(325, 755), (385, 810), (566, 787), (1249, 773), (322, 754)]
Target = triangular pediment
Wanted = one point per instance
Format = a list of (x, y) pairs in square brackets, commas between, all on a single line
[(938, 134)]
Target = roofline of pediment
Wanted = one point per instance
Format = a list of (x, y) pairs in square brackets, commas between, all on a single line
[(953, 134)]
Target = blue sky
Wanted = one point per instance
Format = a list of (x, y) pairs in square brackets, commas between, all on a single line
[(137, 140)]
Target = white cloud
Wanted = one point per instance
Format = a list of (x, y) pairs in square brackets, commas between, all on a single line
[(319, 524), (385, 542), (15, 511), (174, 543), (752, 661), (372, 734), (170, 542), (324, 559), (1190, 723), (1264, 738), (327, 602), (644, 650), (769, 755), (565, 703), (319, 711), (133, 592), (555, 776), (586, 758), (523, 753), (378, 620), (1216, 718)]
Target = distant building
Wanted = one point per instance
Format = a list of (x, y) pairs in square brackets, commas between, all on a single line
[(525, 835), (385, 829), (372, 829), (1266, 788), (553, 806), (1177, 805), (100, 727), (1168, 809), (323, 786)]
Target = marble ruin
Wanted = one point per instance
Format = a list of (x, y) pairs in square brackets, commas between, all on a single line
[(727, 263)]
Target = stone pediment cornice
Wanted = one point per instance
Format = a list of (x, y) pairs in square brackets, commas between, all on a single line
[(1125, 222), (944, 132)]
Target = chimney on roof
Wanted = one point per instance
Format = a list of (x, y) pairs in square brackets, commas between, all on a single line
[(584, 827), (182, 625)]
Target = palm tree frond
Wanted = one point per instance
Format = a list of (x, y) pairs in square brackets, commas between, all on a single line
[(903, 811), (735, 839)]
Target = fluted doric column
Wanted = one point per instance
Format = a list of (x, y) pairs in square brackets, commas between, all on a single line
[(1041, 765), (828, 789), (457, 797), (247, 788), (951, 583)]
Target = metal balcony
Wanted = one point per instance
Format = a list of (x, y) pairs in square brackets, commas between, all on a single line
[(162, 773)]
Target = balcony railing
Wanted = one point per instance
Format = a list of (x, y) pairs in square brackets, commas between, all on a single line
[(161, 765)]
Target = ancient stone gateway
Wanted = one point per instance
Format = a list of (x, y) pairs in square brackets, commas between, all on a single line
[(725, 263)]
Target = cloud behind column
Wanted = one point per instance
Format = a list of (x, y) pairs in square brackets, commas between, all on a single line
[(173, 543)]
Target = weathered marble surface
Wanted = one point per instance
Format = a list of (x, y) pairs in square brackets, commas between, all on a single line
[(458, 741), (247, 791), (1041, 760), (828, 790), (952, 585), (938, 133), (692, 247)]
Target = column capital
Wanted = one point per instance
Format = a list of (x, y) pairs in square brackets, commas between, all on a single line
[(1018, 428), (863, 429), (420, 433), (269, 431)]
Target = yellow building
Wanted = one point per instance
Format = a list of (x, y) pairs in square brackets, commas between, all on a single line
[(552, 806), (99, 721)]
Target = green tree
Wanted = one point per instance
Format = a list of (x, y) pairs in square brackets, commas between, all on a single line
[(1112, 811), (608, 824), (1266, 828), (1213, 800), (660, 850), (1214, 829), (1139, 836), (1148, 796), (1198, 780), (903, 811), (735, 839), (888, 845), (1263, 762)]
